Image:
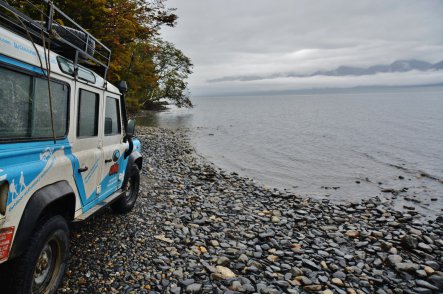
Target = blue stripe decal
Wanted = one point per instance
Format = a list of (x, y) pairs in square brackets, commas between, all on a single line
[(20, 64), (77, 177), (24, 165)]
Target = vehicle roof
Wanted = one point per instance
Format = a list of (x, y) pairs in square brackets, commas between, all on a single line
[(21, 49)]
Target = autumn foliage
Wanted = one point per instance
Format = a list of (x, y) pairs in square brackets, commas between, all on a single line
[(130, 28), (153, 68)]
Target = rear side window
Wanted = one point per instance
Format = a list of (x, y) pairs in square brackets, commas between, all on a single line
[(24, 101), (112, 117), (88, 114)]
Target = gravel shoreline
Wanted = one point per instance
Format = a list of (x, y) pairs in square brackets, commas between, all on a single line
[(198, 229)]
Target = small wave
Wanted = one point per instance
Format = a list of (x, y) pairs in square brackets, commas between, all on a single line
[(405, 169), (421, 173)]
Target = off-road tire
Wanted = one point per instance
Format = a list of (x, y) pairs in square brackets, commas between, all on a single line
[(130, 192), (50, 245)]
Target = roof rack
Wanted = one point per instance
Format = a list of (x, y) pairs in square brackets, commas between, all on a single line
[(45, 23)]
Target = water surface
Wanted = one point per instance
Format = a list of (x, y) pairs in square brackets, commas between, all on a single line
[(343, 146)]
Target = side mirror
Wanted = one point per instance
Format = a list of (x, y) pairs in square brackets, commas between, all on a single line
[(123, 87), (130, 131)]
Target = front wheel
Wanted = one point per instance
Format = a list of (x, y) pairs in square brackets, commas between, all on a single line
[(130, 193), (42, 266)]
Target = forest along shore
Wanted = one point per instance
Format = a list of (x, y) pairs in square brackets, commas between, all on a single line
[(198, 229)]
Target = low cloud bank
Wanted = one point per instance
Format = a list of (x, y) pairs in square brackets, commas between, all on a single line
[(280, 84)]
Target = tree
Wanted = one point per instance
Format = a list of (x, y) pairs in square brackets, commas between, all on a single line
[(120, 24), (153, 68), (173, 69), (141, 75)]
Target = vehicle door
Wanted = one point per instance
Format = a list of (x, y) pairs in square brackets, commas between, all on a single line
[(87, 145), (113, 146)]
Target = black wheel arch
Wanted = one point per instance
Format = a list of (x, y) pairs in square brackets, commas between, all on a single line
[(135, 158), (56, 198)]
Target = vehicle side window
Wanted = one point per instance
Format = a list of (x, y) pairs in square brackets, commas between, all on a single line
[(112, 117), (68, 68), (88, 114), (42, 121), (24, 100)]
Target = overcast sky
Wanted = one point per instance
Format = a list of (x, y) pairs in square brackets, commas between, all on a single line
[(230, 38)]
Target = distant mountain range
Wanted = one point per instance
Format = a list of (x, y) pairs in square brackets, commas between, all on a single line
[(395, 67), (438, 66)]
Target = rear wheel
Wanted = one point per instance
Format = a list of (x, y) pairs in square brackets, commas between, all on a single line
[(130, 189), (41, 268)]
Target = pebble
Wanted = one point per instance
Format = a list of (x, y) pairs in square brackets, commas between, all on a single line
[(308, 263), (224, 272), (425, 284), (214, 243), (393, 259), (434, 265), (421, 273), (275, 219), (409, 242), (352, 234), (199, 229), (312, 288), (406, 266), (425, 247), (339, 275), (304, 280), (194, 288), (429, 270), (337, 282)]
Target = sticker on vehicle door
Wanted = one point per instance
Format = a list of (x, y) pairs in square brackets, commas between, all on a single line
[(116, 155)]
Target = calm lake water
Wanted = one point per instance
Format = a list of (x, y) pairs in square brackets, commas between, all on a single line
[(342, 146)]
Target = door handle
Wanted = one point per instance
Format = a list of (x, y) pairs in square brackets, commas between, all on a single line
[(108, 160), (82, 170)]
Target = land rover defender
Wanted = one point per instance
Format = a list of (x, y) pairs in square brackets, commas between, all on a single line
[(67, 148)]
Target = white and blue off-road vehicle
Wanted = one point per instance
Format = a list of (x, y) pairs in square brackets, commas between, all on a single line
[(66, 146)]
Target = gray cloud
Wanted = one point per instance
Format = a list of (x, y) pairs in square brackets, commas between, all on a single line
[(256, 38), (317, 82)]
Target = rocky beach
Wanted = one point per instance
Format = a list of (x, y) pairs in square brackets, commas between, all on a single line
[(199, 229)]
